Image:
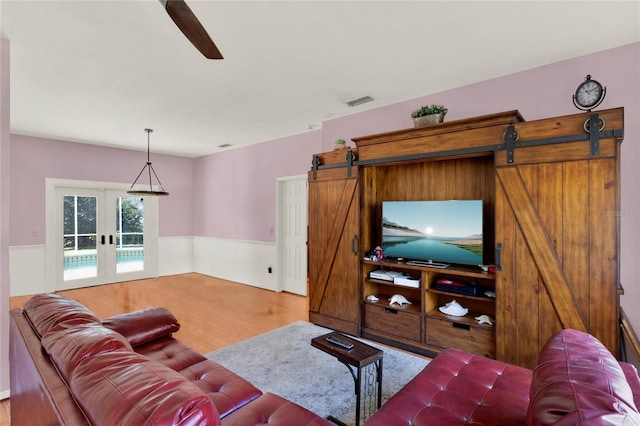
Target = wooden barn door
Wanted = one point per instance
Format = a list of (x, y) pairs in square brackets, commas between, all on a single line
[(334, 297), (557, 242)]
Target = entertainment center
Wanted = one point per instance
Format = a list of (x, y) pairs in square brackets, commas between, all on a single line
[(544, 187)]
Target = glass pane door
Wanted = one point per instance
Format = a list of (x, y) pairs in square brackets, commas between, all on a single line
[(129, 234), (80, 237)]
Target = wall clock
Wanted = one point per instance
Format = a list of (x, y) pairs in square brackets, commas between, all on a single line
[(589, 94)]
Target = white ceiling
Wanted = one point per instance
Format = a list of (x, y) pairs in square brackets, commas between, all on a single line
[(101, 72)]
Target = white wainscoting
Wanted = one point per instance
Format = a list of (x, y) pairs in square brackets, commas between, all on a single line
[(245, 262), (175, 255), (27, 264), (27, 269)]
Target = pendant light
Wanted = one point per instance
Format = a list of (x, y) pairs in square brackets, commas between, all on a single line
[(149, 168)]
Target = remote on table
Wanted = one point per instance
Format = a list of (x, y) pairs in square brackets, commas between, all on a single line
[(339, 342)]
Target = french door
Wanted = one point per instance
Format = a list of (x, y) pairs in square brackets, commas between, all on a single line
[(103, 236)]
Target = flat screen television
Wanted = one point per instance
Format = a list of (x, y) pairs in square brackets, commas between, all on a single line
[(433, 232)]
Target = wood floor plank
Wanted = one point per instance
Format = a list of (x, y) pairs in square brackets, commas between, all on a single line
[(212, 313)]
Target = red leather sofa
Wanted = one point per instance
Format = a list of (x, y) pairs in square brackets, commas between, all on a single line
[(576, 381), (69, 368)]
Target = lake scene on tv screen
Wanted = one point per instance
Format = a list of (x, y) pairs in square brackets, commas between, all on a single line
[(441, 231)]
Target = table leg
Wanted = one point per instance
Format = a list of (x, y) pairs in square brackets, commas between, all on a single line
[(379, 366)]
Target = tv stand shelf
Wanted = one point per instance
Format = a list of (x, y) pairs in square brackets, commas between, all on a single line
[(461, 295), (468, 319), (413, 308), (522, 172), (457, 270)]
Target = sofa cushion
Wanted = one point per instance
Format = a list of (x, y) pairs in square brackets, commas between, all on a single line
[(68, 348), (134, 390), (227, 390), (459, 388), (52, 312), (271, 409), (143, 326), (110, 381), (577, 381)]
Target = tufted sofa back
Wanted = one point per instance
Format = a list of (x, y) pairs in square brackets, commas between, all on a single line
[(110, 382)]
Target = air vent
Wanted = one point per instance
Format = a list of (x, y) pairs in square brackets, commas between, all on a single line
[(359, 101), (224, 145)]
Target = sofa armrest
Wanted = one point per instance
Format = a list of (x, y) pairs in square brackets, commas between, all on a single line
[(631, 373), (143, 326), (578, 381), (36, 386)]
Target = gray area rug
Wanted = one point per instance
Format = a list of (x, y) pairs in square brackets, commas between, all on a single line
[(283, 362)]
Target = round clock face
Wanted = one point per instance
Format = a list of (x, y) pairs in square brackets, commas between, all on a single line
[(589, 93)]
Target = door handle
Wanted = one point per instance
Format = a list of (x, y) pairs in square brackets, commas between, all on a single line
[(354, 249), (499, 257), (111, 239), (102, 239)]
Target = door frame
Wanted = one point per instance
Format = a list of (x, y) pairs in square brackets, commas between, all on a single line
[(281, 259), (51, 186)]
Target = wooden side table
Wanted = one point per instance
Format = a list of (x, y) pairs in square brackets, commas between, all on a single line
[(361, 356)]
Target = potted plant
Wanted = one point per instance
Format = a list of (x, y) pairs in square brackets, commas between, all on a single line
[(340, 144), (428, 115)]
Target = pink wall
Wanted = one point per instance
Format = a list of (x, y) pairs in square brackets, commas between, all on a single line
[(34, 159), (236, 190), (4, 214)]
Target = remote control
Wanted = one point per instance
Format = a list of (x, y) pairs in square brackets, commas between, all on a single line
[(339, 342)]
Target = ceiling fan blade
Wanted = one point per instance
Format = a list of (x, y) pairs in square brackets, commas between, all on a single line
[(191, 27)]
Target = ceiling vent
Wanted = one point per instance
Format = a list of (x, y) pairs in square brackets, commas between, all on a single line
[(359, 101)]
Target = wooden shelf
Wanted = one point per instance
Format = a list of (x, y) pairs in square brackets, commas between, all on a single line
[(413, 308), (390, 284), (466, 296), (457, 270), (469, 319)]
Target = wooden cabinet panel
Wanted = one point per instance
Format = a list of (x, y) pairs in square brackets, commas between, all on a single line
[(334, 254), (394, 322)]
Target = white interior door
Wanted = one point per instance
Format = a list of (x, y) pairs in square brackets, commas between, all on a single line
[(292, 235), (103, 236)]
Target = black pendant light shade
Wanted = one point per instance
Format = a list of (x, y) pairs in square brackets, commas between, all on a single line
[(151, 173)]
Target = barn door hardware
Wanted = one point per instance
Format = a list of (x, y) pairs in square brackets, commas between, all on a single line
[(510, 138), (594, 126)]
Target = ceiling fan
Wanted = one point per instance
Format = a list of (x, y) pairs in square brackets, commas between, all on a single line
[(191, 27)]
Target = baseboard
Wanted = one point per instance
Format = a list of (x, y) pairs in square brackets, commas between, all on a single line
[(4, 395)]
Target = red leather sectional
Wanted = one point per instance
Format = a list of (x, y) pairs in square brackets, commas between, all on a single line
[(577, 381), (69, 368)]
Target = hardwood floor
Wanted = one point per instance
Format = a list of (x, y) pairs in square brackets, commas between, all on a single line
[(213, 313)]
